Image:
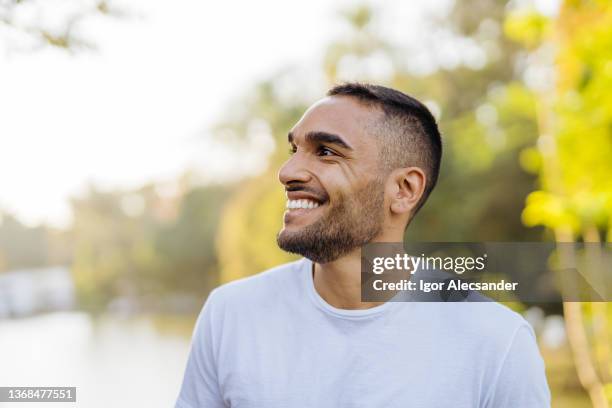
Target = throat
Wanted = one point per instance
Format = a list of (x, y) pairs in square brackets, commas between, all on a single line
[(340, 284)]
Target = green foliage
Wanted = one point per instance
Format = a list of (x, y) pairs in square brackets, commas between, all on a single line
[(143, 243), (186, 245), (543, 208), (527, 26), (247, 235), (574, 161), (577, 145), (20, 246)]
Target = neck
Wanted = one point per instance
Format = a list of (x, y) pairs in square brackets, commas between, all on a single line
[(339, 282)]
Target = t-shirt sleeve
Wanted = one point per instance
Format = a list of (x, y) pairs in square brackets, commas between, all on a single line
[(522, 379), (200, 387)]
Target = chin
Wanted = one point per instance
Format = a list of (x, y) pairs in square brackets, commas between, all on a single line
[(290, 231)]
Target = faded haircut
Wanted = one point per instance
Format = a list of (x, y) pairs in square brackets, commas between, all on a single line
[(409, 135)]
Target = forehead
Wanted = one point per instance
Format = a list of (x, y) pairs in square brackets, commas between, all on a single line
[(340, 115)]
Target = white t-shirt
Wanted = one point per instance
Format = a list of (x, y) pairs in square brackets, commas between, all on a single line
[(270, 341)]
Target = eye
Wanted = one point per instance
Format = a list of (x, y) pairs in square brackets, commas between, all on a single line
[(292, 149), (325, 151)]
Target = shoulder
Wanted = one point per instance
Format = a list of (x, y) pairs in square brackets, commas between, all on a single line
[(506, 347), (519, 379), (486, 328), (492, 321), (282, 280)]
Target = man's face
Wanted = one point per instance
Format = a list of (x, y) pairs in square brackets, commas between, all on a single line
[(335, 199)]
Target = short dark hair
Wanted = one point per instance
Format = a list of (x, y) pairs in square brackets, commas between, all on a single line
[(410, 131)]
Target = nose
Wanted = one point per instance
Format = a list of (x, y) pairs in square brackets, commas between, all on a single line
[(294, 170)]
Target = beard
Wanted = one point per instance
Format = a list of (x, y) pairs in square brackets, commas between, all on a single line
[(350, 223)]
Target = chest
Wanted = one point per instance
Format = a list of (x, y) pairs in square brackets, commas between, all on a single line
[(323, 367)]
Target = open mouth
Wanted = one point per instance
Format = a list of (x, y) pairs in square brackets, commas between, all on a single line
[(304, 204), (302, 209)]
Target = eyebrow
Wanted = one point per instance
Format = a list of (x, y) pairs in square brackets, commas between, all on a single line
[(323, 137)]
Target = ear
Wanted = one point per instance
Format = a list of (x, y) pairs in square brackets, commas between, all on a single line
[(408, 185)]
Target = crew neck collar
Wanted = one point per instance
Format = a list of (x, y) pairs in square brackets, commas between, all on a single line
[(307, 276)]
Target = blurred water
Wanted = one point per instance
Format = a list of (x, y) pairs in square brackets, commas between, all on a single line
[(113, 361)]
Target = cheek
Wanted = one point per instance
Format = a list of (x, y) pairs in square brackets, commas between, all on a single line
[(337, 187), (341, 179)]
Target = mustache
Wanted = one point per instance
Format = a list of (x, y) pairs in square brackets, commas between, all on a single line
[(320, 194)]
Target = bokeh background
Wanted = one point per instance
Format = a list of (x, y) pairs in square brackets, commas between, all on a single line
[(139, 145)]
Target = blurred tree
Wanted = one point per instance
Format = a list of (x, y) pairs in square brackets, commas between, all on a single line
[(110, 246), (27, 17), (186, 245), (249, 223), (21, 246), (574, 157), (147, 243), (486, 118)]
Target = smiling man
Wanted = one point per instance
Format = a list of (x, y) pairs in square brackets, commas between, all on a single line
[(364, 160)]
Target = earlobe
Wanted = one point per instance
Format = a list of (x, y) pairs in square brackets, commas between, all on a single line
[(409, 184), (394, 192), (399, 206)]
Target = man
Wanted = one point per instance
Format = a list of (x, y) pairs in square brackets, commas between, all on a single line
[(364, 160)]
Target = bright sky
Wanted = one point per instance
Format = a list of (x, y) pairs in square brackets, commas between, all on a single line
[(137, 109)]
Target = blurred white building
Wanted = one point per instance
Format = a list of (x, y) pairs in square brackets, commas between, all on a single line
[(28, 291)]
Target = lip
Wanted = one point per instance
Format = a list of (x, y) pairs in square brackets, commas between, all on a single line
[(296, 214), (300, 195)]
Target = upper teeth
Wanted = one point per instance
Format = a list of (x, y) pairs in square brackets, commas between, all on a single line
[(301, 204)]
